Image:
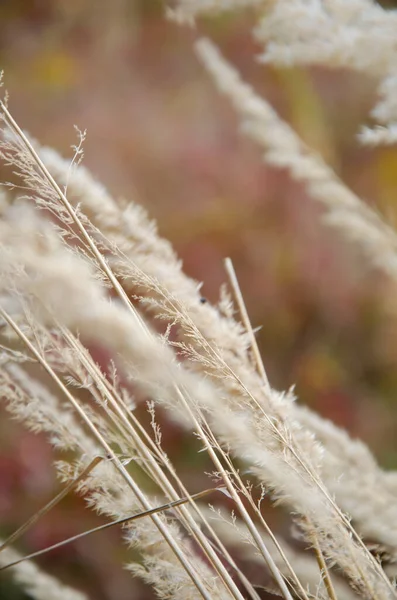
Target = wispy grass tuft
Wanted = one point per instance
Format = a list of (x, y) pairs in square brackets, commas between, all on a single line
[(80, 270)]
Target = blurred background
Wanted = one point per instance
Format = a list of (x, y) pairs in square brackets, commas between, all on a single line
[(159, 134)]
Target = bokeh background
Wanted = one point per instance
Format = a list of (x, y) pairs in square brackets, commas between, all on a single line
[(159, 134)]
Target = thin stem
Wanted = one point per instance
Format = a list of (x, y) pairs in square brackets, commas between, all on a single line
[(155, 470), (43, 511), (312, 475), (250, 525), (13, 125), (246, 493), (140, 515), (90, 243), (129, 480), (261, 370), (323, 568), (247, 323)]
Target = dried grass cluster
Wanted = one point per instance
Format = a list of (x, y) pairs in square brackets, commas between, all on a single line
[(79, 267)]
